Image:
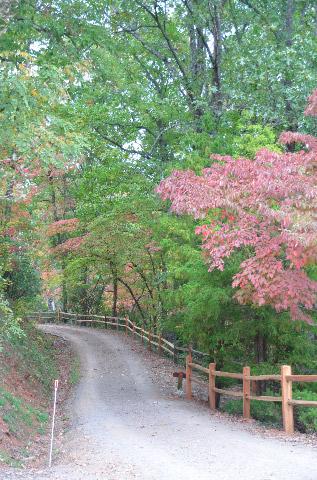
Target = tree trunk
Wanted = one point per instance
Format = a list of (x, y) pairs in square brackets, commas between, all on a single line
[(64, 290), (115, 295), (288, 42), (197, 67), (261, 356), (136, 301), (217, 38)]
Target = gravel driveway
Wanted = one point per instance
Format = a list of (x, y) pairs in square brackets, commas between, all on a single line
[(125, 427)]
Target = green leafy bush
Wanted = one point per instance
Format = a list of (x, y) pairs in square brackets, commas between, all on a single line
[(233, 407), (305, 417), (9, 325), (266, 412), (271, 413)]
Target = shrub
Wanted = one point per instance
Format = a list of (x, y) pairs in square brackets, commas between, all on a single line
[(305, 418), (266, 412)]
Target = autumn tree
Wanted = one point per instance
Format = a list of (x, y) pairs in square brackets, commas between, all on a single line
[(265, 207), (39, 147)]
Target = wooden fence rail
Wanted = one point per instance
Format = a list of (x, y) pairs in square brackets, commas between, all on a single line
[(152, 339), (286, 378)]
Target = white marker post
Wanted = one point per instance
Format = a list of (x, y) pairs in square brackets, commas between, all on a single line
[(53, 423)]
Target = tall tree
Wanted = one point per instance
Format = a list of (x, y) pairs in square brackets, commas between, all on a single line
[(266, 207)]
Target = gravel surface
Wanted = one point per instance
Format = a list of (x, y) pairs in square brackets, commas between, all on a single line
[(127, 424)]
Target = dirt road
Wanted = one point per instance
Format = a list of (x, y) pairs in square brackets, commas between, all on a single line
[(125, 428)]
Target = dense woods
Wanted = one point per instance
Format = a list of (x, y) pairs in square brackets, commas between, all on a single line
[(114, 111)]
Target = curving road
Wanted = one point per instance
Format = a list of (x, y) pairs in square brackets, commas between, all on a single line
[(124, 427)]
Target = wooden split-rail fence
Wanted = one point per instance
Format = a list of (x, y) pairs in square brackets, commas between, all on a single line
[(119, 323), (285, 378)]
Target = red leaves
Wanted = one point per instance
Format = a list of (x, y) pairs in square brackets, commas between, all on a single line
[(62, 226), (70, 245), (269, 204), (311, 108), (153, 247), (293, 137), (10, 232)]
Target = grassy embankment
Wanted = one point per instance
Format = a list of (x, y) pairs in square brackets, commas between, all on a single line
[(28, 366)]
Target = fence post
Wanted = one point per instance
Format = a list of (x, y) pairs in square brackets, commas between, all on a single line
[(246, 392), (126, 326), (160, 344), (212, 386), (189, 360), (106, 326), (287, 409), (133, 329), (39, 318), (59, 315), (150, 341), (117, 320)]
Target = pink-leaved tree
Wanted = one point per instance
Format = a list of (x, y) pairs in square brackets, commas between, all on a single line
[(268, 208)]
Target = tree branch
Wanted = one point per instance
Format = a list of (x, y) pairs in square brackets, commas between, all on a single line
[(124, 149), (136, 301), (170, 47), (200, 33)]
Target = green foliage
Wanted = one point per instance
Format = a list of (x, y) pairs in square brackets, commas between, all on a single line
[(23, 287), (266, 412), (19, 293), (15, 412), (240, 135), (74, 374), (35, 352), (12, 462), (270, 413), (305, 417), (198, 297), (9, 324)]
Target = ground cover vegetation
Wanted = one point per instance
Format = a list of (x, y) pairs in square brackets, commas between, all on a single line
[(114, 111), (29, 363)]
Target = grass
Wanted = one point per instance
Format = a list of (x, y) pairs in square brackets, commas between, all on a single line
[(30, 363), (36, 352), (32, 357), (20, 415), (8, 460), (74, 374)]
